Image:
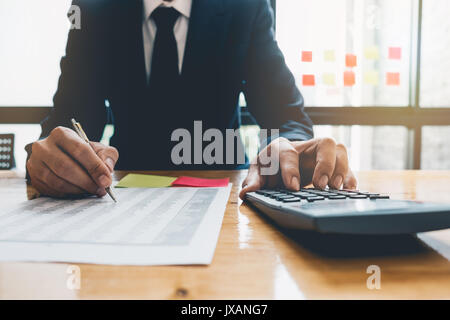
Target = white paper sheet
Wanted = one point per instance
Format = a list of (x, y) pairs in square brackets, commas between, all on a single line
[(160, 226)]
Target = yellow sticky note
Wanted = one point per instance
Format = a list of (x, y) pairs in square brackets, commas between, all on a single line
[(371, 77), (329, 55), (372, 53), (134, 180), (329, 79)]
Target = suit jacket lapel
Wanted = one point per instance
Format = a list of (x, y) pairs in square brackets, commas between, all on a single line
[(129, 46), (207, 30)]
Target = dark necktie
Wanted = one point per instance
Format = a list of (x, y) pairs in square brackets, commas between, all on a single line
[(164, 71)]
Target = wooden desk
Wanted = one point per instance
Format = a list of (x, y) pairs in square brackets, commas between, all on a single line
[(255, 260)]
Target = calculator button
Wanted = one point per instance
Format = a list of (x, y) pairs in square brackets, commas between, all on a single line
[(344, 193), (302, 195), (294, 199), (269, 191), (284, 191), (358, 196), (372, 194), (380, 196), (329, 194), (312, 199), (280, 198), (340, 197), (324, 193)]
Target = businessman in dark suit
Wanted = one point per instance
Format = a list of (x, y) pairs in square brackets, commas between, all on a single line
[(161, 65)]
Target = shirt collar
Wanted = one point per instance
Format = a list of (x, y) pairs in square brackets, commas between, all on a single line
[(182, 6)]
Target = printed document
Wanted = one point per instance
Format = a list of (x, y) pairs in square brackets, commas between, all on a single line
[(158, 226)]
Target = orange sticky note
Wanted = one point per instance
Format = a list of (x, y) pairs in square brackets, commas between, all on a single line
[(350, 60), (309, 80), (349, 78), (307, 56), (393, 78), (395, 53)]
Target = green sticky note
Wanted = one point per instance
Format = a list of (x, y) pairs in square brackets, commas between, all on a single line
[(133, 180)]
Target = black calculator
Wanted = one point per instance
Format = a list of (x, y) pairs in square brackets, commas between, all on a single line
[(349, 212), (6, 151)]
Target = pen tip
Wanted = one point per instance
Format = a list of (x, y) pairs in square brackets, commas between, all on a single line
[(112, 196)]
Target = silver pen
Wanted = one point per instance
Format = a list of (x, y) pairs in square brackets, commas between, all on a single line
[(79, 130)]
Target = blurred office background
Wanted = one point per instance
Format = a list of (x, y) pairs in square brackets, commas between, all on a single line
[(390, 59)]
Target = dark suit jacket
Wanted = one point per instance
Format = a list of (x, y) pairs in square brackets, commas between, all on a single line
[(230, 49)]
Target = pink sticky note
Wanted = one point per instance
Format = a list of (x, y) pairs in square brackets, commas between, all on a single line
[(333, 91), (307, 56), (395, 53), (198, 182), (392, 78), (349, 78), (350, 60), (309, 80)]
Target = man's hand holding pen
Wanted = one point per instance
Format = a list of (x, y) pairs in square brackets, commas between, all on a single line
[(64, 164)]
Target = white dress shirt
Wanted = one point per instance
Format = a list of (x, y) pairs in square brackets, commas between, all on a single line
[(180, 29)]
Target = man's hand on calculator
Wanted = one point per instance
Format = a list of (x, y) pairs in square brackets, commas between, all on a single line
[(322, 162)]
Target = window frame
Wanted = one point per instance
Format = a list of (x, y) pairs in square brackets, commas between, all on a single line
[(413, 116)]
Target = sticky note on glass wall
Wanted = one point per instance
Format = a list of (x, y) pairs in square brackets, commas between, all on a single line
[(395, 53), (307, 56), (329, 79), (350, 60), (329, 55), (393, 78), (349, 78), (372, 53), (333, 91), (309, 80), (371, 77)]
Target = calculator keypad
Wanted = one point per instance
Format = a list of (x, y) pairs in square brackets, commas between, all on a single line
[(313, 195)]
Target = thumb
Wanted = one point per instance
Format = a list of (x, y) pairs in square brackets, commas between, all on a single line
[(253, 182)]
